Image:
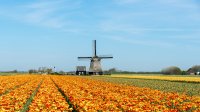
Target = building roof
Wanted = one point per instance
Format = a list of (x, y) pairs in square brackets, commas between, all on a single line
[(81, 68)]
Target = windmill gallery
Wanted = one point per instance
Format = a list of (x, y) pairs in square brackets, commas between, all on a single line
[(95, 63)]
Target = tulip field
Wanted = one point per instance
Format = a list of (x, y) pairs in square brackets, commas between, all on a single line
[(163, 77), (36, 93), (189, 85)]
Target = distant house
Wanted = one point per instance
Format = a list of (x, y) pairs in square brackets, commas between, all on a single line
[(192, 72), (81, 70)]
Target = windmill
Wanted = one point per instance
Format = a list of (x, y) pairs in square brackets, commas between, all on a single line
[(95, 62)]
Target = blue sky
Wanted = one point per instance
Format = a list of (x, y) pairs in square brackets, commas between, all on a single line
[(142, 35)]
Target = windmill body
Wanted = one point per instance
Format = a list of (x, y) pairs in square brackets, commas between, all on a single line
[(95, 66), (95, 62)]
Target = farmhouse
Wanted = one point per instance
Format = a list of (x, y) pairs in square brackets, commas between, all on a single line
[(192, 72), (81, 70)]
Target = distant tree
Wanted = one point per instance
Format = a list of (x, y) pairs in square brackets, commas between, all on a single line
[(45, 70), (183, 72), (196, 68), (171, 70), (42, 69), (61, 72), (48, 70), (14, 71), (112, 70), (31, 71)]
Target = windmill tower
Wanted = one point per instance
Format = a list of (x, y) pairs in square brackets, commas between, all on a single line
[(95, 62)]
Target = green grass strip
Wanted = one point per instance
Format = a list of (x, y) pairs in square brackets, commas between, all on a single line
[(66, 98), (28, 102)]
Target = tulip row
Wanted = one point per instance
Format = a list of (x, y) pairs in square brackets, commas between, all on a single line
[(90, 95), (10, 82), (17, 98), (48, 98), (168, 78), (190, 89)]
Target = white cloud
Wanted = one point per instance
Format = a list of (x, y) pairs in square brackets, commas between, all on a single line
[(43, 13), (133, 22), (167, 18)]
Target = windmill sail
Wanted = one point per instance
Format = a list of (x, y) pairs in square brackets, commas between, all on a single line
[(105, 56), (94, 48), (84, 57)]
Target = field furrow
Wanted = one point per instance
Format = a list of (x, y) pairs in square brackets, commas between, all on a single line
[(190, 89), (16, 99), (88, 95), (10, 82), (74, 93), (48, 98)]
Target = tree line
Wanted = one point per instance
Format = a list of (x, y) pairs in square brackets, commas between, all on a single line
[(172, 70), (41, 70), (194, 70)]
